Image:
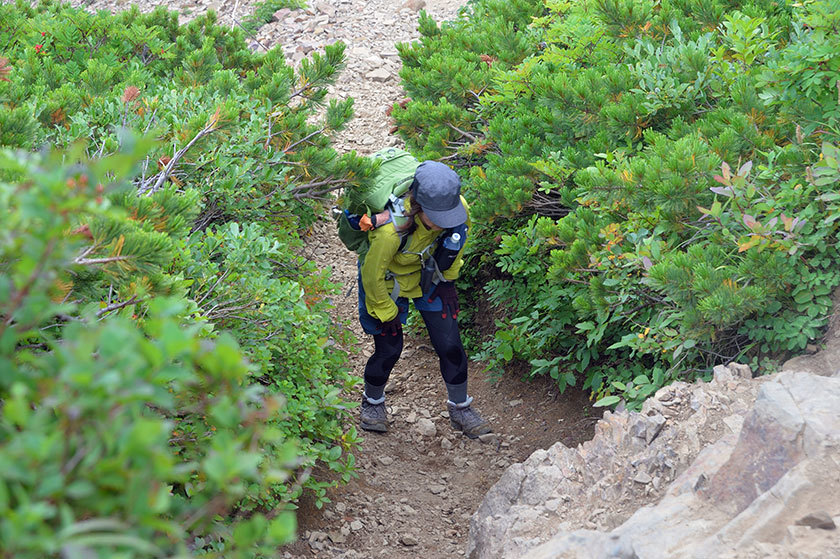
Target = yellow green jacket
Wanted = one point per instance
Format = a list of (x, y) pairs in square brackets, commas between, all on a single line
[(384, 256)]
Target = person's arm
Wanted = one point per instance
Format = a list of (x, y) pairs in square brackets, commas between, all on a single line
[(384, 244)]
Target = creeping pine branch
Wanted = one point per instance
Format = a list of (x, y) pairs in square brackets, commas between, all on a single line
[(462, 132), (161, 177), (108, 259), (116, 306), (308, 190), (306, 138)]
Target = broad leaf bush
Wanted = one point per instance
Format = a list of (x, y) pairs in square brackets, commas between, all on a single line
[(153, 264), (656, 181), (120, 433)]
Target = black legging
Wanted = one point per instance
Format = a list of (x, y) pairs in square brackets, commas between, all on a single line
[(446, 339)]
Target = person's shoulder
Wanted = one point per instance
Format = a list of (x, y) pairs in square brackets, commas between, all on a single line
[(386, 234)]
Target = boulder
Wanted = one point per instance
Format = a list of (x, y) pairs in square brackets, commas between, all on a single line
[(729, 468)]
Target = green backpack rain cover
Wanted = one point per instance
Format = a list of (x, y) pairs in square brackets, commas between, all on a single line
[(394, 177)]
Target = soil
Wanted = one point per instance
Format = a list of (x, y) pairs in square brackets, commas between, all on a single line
[(415, 492)]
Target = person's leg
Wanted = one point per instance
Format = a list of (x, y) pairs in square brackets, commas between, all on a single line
[(446, 339), (387, 350)]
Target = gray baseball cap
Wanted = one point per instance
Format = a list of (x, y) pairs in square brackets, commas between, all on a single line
[(437, 189)]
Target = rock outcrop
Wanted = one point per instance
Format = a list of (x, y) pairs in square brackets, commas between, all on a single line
[(736, 468)]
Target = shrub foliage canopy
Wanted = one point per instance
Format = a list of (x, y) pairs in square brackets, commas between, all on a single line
[(655, 180), (170, 381)]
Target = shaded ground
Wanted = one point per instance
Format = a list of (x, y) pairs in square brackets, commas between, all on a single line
[(416, 492)]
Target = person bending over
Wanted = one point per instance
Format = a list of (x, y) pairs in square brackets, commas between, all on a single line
[(399, 264)]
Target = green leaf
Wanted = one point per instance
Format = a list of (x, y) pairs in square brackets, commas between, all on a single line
[(607, 401), (506, 350)]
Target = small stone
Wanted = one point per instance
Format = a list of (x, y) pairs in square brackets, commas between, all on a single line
[(356, 525), (325, 8), (437, 489), (426, 427), (514, 403), (741, 370), (655, 425), (552, 505), (340, 507), (411, 417), (374, 61), (316, 536), (642, 477), (379, 75), (408, 540), (385, 460), (413, 5), (281, 14), (446, 444), (820, 519), (337, 537), (488, 437)]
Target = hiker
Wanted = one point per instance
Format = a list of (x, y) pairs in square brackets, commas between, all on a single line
[(390, 275)]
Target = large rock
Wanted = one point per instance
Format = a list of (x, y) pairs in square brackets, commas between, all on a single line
[(724, 469)]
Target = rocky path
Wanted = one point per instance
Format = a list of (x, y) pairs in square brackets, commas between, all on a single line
[(419, 484)]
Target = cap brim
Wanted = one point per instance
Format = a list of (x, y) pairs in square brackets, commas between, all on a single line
[(447, 218)]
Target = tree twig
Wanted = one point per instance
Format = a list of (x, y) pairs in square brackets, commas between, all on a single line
[(116, 306), (167, 171), (106, 260), (218, 281), (462, 132)]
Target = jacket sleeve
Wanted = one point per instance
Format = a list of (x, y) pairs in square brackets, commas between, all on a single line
[(452, 273), (384, 244)]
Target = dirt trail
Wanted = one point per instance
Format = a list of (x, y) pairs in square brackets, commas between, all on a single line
[(415, 492)]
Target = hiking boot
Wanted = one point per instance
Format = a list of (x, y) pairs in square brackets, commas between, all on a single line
[(465, 419), (373, 416)]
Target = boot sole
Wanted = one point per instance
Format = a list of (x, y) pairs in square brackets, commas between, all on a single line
[(375, 427), (457, 427)]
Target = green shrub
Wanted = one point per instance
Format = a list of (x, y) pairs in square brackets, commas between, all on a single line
[(121, 434), (204, 220), (630, 252)]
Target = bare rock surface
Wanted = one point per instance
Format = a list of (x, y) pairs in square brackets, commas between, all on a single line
[(740, 468)]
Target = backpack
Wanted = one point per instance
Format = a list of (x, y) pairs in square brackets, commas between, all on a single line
[(389, 188)]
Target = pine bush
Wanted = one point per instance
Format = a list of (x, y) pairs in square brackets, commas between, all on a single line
[(152, 264), (654, 181)]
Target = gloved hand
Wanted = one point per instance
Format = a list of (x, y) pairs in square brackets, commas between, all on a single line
[(448, 296), (393, 326)]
